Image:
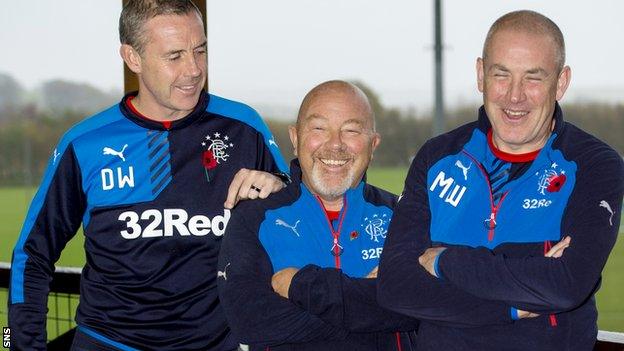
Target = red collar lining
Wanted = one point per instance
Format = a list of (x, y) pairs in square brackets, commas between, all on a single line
[(513, 158), (166, 124)]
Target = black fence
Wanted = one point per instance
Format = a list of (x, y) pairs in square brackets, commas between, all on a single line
[(64, 295), (62, 303)]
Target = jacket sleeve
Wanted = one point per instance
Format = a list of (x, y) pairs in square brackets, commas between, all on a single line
[(552, 285), (344, 301), (269, 157), (53, 218), (256, 314), (404, 286)]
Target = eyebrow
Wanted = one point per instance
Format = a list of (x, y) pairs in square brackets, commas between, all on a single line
[(173, 52), (536, 70)]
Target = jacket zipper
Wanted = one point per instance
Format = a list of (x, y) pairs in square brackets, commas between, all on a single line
[(336, 248), (490, 223)]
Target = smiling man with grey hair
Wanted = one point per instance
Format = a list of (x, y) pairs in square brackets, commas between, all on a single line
[(501, 235), (291, 259)]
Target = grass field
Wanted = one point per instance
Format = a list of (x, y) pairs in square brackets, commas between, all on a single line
[(14, 203)]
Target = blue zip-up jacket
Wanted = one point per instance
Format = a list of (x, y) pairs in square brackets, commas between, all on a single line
[(495, 256), (150, 200), (291, 229)]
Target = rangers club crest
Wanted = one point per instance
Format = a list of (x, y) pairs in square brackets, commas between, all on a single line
[(215, 152), (376, 226), (550, 180)]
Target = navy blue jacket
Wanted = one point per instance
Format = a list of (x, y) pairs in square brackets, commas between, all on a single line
[(291, 229), (495, 260), (150, 200)]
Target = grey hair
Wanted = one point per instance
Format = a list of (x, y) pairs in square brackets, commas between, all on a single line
[(529, 22), (136, 12)]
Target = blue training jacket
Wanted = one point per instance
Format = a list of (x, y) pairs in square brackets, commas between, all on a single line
[(150, 201), (494, 263), (291, 229)]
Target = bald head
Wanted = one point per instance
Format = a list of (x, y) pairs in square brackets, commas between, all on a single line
[(338, 89), (529, 22), (334, 140)]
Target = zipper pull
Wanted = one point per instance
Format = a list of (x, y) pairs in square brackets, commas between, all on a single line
[(490, 223), (336, 245)]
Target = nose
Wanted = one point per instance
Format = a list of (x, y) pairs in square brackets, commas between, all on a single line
[(193, 68), (335, 140), (516, 91)]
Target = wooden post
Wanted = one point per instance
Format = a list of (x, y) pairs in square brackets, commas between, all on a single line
[(130, 80)]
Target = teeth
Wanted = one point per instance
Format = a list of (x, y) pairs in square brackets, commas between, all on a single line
[(516, 113), (333, 162)]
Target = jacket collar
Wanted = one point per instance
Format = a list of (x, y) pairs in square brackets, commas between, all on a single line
[(197, 112)]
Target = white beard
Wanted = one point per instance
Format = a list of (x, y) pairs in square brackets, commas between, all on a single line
[(331, 191)]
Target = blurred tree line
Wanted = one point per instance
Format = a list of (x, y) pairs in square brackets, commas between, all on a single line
[(31, 126)]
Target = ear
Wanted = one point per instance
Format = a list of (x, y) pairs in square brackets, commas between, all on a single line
[(480, 74), (131, 57), (375, 142), (292, 132), (563, 81)]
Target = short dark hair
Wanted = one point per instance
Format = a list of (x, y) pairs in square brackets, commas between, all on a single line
[(529, 22), (136, 12)]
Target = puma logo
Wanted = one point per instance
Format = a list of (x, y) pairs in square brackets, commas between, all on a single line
[(109, 151), (463, 168), (223, 273), (605, 204), (284, 224)]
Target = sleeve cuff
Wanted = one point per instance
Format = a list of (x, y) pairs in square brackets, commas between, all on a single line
[(436, 268), (514, 314)]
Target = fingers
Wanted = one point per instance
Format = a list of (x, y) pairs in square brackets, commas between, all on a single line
[(252, 184), (235, 185), (557, 250), (526, 314), (373, 273)]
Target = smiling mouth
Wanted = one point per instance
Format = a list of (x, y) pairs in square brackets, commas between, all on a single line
[(187, 88), (333, 163), (515, 114)]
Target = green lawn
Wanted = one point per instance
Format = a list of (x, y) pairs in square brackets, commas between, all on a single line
[(14, 202)]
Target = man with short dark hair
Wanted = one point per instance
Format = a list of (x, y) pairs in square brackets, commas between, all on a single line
[(289, 260), (152, 181), (470, 250)]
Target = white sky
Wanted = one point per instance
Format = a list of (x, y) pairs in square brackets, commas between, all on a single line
[(269, 53)]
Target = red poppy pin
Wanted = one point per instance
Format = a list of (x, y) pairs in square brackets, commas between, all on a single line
[(354, 235), (555, 183), (209, 162)]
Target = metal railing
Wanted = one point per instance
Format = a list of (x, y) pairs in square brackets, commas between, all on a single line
[(64, 295)]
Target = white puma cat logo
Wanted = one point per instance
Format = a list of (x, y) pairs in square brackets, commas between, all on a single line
[(284, 224), (109, 151), (463, 168)]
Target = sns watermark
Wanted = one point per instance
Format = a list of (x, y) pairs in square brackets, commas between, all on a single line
[(6, 337)]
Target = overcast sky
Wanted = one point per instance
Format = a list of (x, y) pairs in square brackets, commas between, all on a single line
[(271, 52)]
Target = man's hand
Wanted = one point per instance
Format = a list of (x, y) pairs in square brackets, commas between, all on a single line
[(557, 250), (373, 273), (428, 258), (281, 280), (554, 252), (251, 184)]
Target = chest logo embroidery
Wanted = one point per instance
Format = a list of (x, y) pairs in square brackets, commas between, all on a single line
[(215, 152), (291, 227), (454, 196), (110, 151), (550, 180), (376, 226), (464, 169)]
